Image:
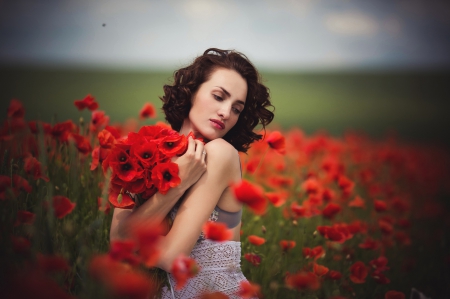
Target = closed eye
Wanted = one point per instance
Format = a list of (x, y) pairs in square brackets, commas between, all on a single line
[(218, 98)]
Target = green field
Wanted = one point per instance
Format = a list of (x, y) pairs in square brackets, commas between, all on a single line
[(414, 104)]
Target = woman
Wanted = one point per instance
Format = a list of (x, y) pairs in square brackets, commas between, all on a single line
[(219, 98)]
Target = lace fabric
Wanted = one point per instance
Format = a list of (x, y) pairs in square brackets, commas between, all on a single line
[(220, 270)]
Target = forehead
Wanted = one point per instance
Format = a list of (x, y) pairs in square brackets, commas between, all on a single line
[(231, 81)]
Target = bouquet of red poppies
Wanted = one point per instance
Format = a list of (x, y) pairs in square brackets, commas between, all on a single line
[(141, 164)]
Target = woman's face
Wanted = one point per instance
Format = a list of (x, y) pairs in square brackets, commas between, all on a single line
[(216, 105)]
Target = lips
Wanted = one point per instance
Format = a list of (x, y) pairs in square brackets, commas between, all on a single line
[(218, 123)]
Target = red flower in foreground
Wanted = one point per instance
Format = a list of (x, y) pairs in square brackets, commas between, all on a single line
[(394, 295), (358, 272), (62, 206), (183, 268), (249, 290), (88, 102), (255, 240), (251, 195), (120, 279), (148, 110), (216, 231), (302, 281), (277, 142), (165, 176), (287, 245), (253, 258)]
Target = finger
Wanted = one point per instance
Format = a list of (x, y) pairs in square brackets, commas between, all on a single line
[(199, 150), (191, 146)]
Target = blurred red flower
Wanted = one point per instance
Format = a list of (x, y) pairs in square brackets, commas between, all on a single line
[(52, 263), (82, 143), (253, 258), (62, 206), (316, 252), (214, 295), (370, 244), (183, 268), (88, 102), (320, 270), (16, 109), (104, 207), (255, 240), (99, 120), (311, 185), (277, 198), (124, 251), (334, 275), (331, 210), (251, 195), (33, 167), (394, 295), (358, 202), (287, 245), (302, 281), (358, 272), (380, 206), (148, 110), (277, 141), (106, 138), (216, 231), (249, 290), (24, 217)]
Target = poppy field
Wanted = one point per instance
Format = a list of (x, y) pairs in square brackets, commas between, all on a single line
[(324, 217)]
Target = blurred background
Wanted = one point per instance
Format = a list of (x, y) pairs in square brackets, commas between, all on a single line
[(372, 66)]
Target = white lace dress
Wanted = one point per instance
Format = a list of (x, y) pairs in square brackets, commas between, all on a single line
[(220, 268)]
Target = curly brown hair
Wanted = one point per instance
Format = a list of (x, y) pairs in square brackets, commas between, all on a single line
[(177, 97)]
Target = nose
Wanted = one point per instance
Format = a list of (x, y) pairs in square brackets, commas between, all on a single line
[(224, 111)]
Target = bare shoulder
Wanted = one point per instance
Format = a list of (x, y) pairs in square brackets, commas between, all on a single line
[(221, 153)]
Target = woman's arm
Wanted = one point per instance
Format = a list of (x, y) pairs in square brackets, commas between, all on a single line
[(223, 167), (191, 166)]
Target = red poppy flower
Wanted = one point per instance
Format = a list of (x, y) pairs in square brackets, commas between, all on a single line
[(33, 125), (320, 270), (148, 110), (24, 217), (311, 185), (334, 275), (124, 250), (277, 142), (147, 234), (380, 206), (33, 167), (255, 240), (249, 290), (146, 153), (183, 268), (98, 120), (16, 109), (253, 258), (358, 272), (62, 130), (165, 176), (385, 226), (379, 277), (20, 183), (217, 231), (82, 143), (277, 198), (316, 252), (62, 206), (87, 102), (298, 210), (394, 295), (302, 281), (106, 139), (331, 210), (251, 195), (345, 184), (120, 279), (358, 202), (331, 233), (369, 244), (120, 199), (287, 245), (172, 145), (380, 263)]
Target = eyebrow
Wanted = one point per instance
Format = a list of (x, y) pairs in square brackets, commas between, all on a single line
[(228, 94)]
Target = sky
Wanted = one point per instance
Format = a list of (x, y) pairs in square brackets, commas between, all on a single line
[(274, 34)]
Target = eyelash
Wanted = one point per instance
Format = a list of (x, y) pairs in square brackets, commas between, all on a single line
[(218, 98)]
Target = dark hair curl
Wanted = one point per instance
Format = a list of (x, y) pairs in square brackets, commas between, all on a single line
[(177, 97)]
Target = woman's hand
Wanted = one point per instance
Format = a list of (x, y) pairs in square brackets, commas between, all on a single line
[(192, 164)]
